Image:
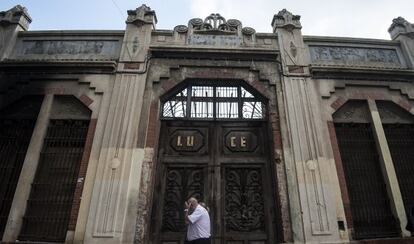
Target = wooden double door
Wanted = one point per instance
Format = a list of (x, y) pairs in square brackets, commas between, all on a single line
[(226, 166)]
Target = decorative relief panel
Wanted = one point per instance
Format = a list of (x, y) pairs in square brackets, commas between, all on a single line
[(244, 204), (214, 40), (354, 111), (354, 56), (181, 184), (58, 49)]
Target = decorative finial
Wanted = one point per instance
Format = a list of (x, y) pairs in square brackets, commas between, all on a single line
[(285, 19), (400, 26), (16, 15), (141, 15)]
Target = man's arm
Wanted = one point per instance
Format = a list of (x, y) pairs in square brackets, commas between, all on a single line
[(187, 221), (186, 210)]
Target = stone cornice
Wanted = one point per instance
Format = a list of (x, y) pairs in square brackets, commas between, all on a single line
[(60, 67), (359, 73)]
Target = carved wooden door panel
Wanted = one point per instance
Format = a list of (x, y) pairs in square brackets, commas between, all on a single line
[(225, 165)]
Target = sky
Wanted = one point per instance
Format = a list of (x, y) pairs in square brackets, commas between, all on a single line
[(346, 18)]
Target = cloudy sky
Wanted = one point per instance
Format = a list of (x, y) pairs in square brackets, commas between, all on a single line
[(351, 18)]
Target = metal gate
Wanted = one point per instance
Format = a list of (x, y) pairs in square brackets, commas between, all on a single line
[(400, 138), (370, 207), (224, 164), (49, 205), (17, 122)]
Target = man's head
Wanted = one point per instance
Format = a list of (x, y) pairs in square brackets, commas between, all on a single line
[(193, 202)]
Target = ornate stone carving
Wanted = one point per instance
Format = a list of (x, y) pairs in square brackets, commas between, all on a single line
[(63, 49), (181, 29), (215, 24), (285, 19), (234, 23), (400, 26), (213, 40), (142, 15), (353, 55), (293, 49), (355, 111), (195, 23), (135, 45), (248, 31), (16, 15)]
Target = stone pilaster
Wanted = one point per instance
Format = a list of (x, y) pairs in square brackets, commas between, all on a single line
[(12, 22), (403, 31), (115, 195), (308, 156)]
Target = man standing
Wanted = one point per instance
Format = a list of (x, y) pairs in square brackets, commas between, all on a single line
[(198, 221)]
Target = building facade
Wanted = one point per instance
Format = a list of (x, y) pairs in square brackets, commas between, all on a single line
[(287, 138)]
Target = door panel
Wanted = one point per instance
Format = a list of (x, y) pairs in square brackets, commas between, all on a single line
[(181, 184), (243, 204), (225, 164)]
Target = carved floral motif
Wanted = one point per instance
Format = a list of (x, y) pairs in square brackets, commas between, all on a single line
[(181, 29)]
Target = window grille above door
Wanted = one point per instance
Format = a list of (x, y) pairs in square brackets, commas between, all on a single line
[(220, 101)]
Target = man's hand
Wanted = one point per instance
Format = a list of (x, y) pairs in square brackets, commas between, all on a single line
[(187, 205)]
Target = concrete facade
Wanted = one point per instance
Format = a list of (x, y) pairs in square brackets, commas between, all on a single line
[(121, 77)]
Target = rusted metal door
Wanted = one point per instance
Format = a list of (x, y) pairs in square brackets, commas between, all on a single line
[(16, 127), (224, 164), (370, 205), (51, 197)]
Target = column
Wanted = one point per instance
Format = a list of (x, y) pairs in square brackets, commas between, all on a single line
[(18, 208), (388, 170)]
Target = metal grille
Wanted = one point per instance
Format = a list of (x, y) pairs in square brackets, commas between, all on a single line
[(400, 138), (370, 207), (244, 204), (14, 139), (48, 210), (214, 102)]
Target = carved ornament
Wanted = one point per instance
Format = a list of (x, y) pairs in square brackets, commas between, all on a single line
[(181, 29), (285, 19), (248, 31), (142, 15), (16, 15), (215, 24), (400, 26), (354, 55)]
